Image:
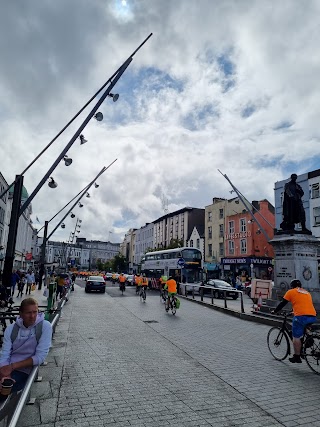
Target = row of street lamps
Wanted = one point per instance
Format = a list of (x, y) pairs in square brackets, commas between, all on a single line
[(17, 209)]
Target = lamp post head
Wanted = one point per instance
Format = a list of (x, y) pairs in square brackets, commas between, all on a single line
[(52, 183), (72, 215), (115, 96), (82, 139), (67, 160), (96, 185), (80, 205), (63, 225), (98, 116)]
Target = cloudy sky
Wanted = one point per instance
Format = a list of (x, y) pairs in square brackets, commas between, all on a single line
[(229, 85)]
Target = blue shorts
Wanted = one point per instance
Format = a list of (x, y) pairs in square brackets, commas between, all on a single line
[(299, 323)]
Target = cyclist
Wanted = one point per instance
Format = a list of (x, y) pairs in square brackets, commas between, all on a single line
[(138, 281), (144, 283), (122, 281), (162, 282), (304, 314), (171, 285)]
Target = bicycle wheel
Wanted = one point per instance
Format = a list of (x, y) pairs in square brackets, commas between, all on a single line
[(173, 308), (311, 351), (278, 343)]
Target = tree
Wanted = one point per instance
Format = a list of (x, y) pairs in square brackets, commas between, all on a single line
[(119, 263)]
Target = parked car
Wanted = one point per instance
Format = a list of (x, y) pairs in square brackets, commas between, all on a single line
[(129, 279), (95, 283), (219, 287)]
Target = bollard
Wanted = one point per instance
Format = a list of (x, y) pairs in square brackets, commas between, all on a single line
[(212, 297), (242, 306), (201, 293), (186, 291), (192, 292), (225, 299)]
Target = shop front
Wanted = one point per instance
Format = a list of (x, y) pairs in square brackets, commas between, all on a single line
[(247, 267), (211, 270)]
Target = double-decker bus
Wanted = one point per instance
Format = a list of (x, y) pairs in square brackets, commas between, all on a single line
[(185, 264)]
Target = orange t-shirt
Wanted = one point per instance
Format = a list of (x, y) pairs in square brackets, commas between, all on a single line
[(301, 302), (122, 279), (172, 286)]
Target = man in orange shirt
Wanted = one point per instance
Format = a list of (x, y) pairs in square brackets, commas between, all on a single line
[(171, 285), (122, 281), (304, 314)]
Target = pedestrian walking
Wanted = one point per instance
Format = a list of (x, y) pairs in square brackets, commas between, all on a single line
[(30, 281), (21, 285)]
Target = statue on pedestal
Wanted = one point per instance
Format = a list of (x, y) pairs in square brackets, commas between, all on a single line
[(292, 208)]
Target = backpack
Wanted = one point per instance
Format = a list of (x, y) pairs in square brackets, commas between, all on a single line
[(15, 331)]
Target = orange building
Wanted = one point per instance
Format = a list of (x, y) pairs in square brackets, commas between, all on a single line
[(247, 251)]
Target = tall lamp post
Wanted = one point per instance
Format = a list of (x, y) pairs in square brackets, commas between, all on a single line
[(16, 209), (45, 234)]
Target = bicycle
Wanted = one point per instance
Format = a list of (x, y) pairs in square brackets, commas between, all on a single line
[(163, 295), (122, 287), (279, 343), (143, 294), (171, 303)]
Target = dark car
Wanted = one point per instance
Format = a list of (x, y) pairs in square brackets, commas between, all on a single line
[(95, 283), (219, 287)]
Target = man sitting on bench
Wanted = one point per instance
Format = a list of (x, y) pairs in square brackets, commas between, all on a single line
[(26, 344)]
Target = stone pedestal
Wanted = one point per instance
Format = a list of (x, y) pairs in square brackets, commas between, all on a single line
[(295, 258)]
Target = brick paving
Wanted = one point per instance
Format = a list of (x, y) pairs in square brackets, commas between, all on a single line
[(108, 367)]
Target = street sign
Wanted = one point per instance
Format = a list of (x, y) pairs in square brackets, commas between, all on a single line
[(181, 262)]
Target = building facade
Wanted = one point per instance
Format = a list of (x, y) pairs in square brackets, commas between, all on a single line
[(247, 250), (143, 242), (177, 226), (216, 216), (127, 249)]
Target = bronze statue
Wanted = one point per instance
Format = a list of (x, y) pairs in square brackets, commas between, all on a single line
[(292, 208)]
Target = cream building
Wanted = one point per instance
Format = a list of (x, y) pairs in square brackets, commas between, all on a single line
[(215, 226)]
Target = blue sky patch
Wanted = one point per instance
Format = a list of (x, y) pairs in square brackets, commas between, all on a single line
[(283, 125), (248, 111)]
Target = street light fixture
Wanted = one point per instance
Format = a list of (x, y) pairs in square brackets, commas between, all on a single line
[(72, 215), (99, 116), (82, 139), (96, 185), (88, 195), (80, 205), (52, 183), (67, 160), (115, 96), (63, 225)]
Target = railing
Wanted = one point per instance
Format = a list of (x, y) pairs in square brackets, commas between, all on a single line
[(25, 394), (213, 291)]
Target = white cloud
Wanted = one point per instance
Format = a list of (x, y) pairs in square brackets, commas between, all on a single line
[(179, 117)]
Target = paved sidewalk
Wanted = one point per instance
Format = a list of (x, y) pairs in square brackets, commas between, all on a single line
[(119, 362)]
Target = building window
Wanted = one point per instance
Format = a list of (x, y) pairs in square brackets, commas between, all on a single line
[(210, 232), (243, 226), (191, 243), (221, 249), (220, 213), (198, 243), (210, 249), (243, 246), (209, 216), (231, 226), (315, 191), (231, 247), (220, 230), (316, 215)]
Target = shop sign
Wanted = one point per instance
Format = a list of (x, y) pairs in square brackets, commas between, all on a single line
[(241, 235)]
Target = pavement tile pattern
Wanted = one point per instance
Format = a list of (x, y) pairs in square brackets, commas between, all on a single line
[(109, 366)]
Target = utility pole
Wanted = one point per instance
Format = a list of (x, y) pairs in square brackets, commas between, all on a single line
[(12, 237)]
